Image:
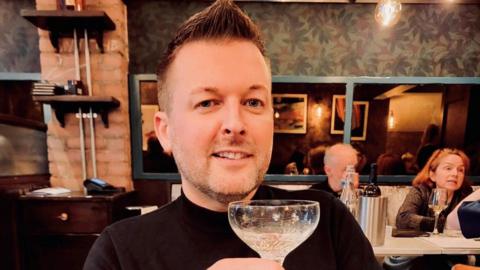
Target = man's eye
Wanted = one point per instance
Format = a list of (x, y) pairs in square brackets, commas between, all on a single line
[(254, 103), (206, 104)]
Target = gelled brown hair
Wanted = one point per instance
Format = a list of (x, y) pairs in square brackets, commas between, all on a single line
[(223, 20)]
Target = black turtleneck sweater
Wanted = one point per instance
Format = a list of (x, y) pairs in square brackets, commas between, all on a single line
[(325, 187), (183, 236)]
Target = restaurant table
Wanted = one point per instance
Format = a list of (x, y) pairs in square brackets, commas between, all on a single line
[(415, 246), (406, 246)]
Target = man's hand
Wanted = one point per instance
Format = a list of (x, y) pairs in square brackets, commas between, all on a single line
[(245, 264)]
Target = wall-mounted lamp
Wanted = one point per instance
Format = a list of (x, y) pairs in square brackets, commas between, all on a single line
[(387, 12), (391, 120), (276, 114), (318, 111)]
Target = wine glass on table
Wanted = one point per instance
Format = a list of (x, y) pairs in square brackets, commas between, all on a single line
[(273, 228), (437, 202)]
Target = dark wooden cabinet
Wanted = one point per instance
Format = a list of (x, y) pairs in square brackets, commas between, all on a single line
[(56, 232)]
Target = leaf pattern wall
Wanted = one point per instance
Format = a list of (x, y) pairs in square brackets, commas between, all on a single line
[(18, 38), (331, 39)]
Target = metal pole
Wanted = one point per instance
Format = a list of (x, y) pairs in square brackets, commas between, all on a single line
[(80, 118), (90, 93)]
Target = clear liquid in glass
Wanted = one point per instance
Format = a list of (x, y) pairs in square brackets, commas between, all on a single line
[(437, 201)]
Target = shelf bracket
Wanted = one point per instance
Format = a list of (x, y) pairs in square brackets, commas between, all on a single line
[(99, 39), (54, 37)]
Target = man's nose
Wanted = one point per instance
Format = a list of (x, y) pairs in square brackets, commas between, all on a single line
[(233, 122)]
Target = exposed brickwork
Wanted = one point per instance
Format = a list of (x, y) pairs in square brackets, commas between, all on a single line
[(109, 78)]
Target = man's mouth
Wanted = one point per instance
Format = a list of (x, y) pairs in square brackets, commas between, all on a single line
[(231, 155)]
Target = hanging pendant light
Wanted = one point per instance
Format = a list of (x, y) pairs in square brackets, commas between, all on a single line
[(387, 12)]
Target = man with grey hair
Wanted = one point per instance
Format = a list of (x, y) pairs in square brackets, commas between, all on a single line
[(336, 159), (216, 119)]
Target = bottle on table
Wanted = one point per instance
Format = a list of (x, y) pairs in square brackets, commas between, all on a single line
[(372, 210), (372, 189), (349, 195)]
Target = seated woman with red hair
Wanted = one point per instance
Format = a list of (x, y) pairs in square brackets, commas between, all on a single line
[(446, 168)]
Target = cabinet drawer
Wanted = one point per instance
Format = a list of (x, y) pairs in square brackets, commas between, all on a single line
[(57, 217)]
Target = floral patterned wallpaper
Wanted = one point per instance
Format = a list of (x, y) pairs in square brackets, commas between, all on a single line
[(331, 39), (18, 38)]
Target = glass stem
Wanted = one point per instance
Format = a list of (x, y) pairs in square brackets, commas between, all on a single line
[(435, 230), (275, 258), (280, 261)]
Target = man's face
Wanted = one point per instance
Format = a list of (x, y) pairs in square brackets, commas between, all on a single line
[(220, 127), (335, 170)]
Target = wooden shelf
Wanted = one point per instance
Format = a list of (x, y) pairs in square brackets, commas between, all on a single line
[(61, 23), (72, 104)]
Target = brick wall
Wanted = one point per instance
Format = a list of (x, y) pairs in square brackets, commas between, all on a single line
[(109, 78)]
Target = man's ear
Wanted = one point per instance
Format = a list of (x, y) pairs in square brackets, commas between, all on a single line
[(327, 169), (162, 130)]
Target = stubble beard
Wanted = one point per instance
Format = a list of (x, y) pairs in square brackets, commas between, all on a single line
[(201, 178)]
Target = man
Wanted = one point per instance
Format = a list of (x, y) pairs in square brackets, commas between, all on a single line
[(336, 159), (217, 120)]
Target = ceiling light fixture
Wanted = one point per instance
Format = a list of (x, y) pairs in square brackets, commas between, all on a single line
[(387, 12)]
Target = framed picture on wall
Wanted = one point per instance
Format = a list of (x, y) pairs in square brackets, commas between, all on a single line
[(290, 113), (359, 118)]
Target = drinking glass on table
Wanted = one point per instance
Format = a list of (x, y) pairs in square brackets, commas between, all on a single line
[(273, 228), (437, 202)]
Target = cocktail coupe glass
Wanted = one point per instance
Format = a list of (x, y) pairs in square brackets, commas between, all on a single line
[(437, 202), (273, 228)]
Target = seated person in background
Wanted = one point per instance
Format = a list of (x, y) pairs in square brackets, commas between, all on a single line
[(295, 163), (362, 159), (314, 160), (390, 164), (428, 144), (156, 160), (452, 222), (291, 169), (408, 160), (336, 159), (215, 91), (446, 168)]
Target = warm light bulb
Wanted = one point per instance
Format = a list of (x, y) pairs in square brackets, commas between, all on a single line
[(277, 115), (391, 121), (387, 12), (318, 111)]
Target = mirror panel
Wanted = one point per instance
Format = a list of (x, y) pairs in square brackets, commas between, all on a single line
[(154, 160), (407, 122), (386, 118)]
